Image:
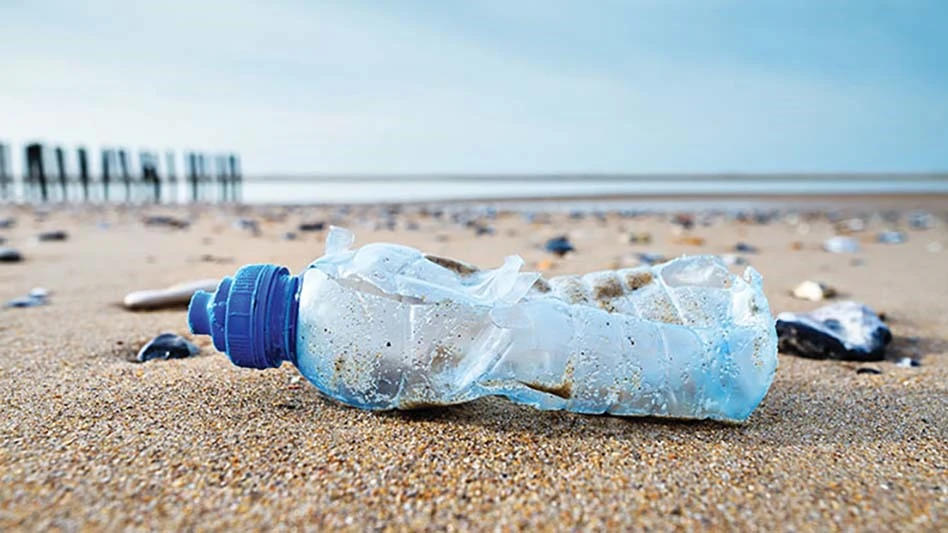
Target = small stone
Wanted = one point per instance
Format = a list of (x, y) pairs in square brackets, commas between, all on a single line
[(908, 362), (289, 236), (176, 295), (248, 224), (36, 297), (167, 346), (845, 330), (312, 226), (743, 247), (643, 237), (559, 246), (48, 236), (7, 223), (841, 245), (690, 240), (165, 221), (854, 224), (891, 237), (868, 370), (796, 246), (9, 255), (650, 258), (921, 219), (483, 230), (813, 291)]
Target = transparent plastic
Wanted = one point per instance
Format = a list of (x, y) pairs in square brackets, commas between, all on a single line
[(385, 326)]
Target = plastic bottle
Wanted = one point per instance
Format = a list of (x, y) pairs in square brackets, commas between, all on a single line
[(387, 327)]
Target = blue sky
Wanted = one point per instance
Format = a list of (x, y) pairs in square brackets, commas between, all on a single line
[(488, 86)]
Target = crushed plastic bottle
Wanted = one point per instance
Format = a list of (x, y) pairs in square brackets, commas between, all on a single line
[(385, 326)]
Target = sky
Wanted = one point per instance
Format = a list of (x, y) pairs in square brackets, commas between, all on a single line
[(490, 86)]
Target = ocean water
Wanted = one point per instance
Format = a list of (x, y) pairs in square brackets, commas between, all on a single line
[(397, 189), (422, 189)]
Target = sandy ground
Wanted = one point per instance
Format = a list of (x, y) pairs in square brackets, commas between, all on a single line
[(90, 440)]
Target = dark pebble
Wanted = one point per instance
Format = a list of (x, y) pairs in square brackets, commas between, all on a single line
[(868, 370), (746, 248), (483, 230), (248, 224), (650, 258), (167, 346), (559, 246), (10, 255), (289, 236), (7, 223), (891, 237), (165, 221), (312, 226), (846, 330), (48, 236)]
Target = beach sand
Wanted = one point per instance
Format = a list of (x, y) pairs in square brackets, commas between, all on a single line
[(90, 440)]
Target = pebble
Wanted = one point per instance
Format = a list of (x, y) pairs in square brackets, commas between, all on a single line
[(891, 237), (868, 370), (9, 255), (650, 258), (643, 237), (690, 240), (921, 219), (743, 247), (813, 291), (248, 224), (176, 295), (311, 226), (845, 330), (167, 346), (289, 236), (165, 221), (841, 245), (36, 297), (559, 246), (483, 230), (7, 223), (48, 236), (908, 362)]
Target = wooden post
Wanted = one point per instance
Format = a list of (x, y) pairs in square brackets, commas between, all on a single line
[(6, 178), (107, 156), (235, 177), (35, 173), (172, 174), (61, 167), (83, 172), (193, 175), (126, 176)]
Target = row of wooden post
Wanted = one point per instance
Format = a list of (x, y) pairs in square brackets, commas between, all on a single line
[(148, 186)]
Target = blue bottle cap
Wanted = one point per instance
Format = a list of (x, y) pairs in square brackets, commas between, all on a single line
[(251, 317)]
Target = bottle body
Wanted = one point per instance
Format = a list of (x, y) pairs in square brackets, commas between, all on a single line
[(386, 327)]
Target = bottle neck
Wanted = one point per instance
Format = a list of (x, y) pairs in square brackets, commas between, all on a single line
[(252, 316)]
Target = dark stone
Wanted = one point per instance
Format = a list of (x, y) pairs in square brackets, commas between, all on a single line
[(48, 236), (167, 346), (165, 221), (891, 237), (746, 248), (35, 298), (921, 219), (559, 246), (312, 226), (650, 258), (846, 330), (9, 255), (289, 236), (868, 370), (483, 230), (248, 224), (7, 223)]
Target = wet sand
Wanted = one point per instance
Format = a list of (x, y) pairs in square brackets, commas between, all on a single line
[(90, 440)]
